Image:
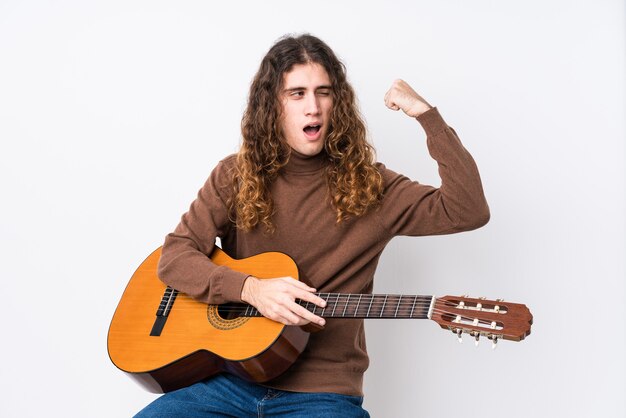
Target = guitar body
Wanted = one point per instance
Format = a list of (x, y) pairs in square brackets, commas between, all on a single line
[(195, 340)]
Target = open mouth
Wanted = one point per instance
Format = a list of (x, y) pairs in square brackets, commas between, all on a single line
[(312, 129)]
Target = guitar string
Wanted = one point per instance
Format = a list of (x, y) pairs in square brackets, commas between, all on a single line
[(241, 308), (367, 300)]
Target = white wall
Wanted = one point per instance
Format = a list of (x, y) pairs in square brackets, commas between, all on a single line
[(113, 113)]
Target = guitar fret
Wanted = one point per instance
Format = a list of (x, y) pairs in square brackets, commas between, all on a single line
[(383, 308), (369, 308), (413, 307), (357, 305), (395, 315), (346, 307), (335, 305)]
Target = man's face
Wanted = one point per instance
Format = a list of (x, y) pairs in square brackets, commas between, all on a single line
[(307, 99)]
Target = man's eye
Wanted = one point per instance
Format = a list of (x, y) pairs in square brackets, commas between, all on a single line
[(324, 92), (297, 93)]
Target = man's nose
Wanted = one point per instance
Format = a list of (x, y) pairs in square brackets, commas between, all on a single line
[(312, 106)]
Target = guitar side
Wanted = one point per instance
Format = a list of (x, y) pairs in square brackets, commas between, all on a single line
[(194, 342)]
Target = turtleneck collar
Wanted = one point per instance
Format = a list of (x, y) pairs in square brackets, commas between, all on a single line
[(300, 163)]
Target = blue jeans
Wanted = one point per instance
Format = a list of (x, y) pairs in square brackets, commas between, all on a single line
[(229, 396)]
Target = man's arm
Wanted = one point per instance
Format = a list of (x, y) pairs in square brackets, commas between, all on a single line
[(459, 204), (185, 264)]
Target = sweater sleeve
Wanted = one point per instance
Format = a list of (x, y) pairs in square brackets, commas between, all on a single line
[(185, 264), (459, 204)]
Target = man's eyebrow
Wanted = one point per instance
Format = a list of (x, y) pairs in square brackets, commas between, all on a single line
[(322, 87)]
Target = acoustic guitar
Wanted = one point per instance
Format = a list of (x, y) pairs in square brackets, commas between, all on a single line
[(166, 340)]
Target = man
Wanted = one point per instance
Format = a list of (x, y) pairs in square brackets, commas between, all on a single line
[(305, 183)]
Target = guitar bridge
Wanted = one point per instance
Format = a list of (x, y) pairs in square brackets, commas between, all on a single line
[(163, 311)]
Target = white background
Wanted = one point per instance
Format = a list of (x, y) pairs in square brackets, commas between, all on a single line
[(113, 113)]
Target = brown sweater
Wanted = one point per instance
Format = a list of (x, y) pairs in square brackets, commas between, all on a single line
[(331, 257)]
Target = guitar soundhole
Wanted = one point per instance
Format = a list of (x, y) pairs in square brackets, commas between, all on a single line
[(230, 310), (227, 316)]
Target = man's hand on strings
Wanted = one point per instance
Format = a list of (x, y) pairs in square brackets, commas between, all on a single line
[(276, 299)]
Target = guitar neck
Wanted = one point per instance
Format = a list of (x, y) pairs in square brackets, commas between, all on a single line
[(351, 305)]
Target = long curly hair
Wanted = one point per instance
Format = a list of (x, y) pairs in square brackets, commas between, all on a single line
[(354, 183)]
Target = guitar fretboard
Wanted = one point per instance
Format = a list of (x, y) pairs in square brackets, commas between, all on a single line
[(351, 305)]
